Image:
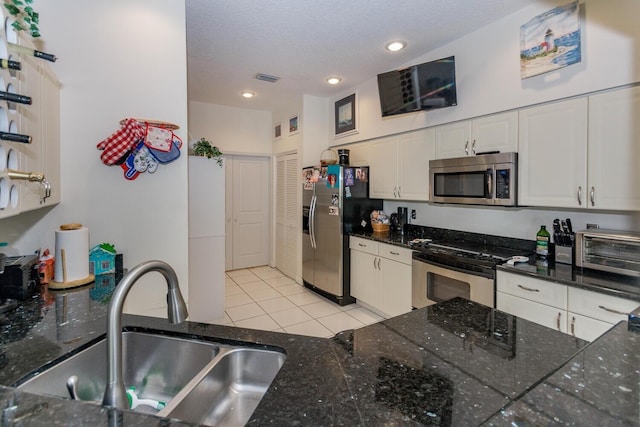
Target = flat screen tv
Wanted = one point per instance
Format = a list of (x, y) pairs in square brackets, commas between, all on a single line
[(420, 87)]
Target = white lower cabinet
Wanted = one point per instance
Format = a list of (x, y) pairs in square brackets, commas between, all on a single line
[(542, 314), (585, 327), (381, 276), (579, 312)]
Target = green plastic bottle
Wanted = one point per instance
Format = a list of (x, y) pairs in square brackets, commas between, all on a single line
[(542, 242)]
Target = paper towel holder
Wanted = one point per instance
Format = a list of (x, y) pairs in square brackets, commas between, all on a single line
[(72, 283)]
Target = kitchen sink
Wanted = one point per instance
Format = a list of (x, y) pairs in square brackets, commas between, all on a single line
[(200, 381)]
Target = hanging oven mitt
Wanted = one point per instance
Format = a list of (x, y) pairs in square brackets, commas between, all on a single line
[(133, 164), (143, 160), (168, 156), (116, 147)]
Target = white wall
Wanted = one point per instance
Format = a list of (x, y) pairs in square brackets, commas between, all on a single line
[(117, 59), (288, 143), (488, 69), (314, 132), (233, 130)]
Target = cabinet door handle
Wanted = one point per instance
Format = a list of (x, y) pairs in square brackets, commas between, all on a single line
[(395, 192), (399, 196), (611, 310), (378, 263), (466, 148), (558, 320), (394, 253), (361, 245), (592, 196), (528, 289), (374, 263), (573, 326), (473, 147), (580, 196)]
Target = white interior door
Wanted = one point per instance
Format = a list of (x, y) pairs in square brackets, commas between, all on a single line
[(250, 195)]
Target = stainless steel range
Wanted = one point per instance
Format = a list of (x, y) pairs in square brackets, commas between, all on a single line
[(449, 268)]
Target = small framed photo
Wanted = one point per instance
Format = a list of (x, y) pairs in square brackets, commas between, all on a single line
[(277, 131), (294, 125), (345, 116)]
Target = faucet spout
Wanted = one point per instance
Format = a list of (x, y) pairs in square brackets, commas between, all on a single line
[(115, 393)]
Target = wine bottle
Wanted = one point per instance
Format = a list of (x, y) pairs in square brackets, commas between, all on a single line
[(15, 137), (32, 52), (13, 65), (14, 97)]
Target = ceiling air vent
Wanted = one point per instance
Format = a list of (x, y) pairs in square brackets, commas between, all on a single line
[(267, 78)]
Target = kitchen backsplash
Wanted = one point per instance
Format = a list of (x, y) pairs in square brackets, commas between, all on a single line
[(521, 222)]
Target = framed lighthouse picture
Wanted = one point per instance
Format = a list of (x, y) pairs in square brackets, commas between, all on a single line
[(550, 41)]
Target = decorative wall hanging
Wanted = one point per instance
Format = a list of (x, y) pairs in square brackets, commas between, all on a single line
[(140, 146), (550, 41), (277, 131), (294, 126), (345, 116)]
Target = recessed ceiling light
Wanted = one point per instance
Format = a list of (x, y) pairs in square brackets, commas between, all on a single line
[(395, 46), (334, 80), (247, 94)]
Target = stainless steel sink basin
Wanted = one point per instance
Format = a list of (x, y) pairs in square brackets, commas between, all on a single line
[(201, 382), (229, 392)]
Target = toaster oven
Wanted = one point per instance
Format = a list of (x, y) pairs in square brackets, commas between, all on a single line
[(609, 250)]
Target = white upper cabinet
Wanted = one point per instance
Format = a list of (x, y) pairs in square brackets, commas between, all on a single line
[(498, 132), (400, 166), (552, 154), (614, 150), (383, 173), (452, 140), (416, 149), (582, 153)]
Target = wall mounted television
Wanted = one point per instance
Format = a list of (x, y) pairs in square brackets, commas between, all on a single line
[(420, 87)]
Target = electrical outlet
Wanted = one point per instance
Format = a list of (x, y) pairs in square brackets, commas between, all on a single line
[(413, 214)]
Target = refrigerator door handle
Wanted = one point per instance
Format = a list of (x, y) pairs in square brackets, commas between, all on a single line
[(312, 216)]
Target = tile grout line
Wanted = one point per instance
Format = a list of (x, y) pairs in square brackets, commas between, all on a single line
[(299, 306)]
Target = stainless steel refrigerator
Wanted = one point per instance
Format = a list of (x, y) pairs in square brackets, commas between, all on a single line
[(335, 203)]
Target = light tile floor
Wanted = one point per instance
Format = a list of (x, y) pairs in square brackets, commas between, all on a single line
[(264, 298)]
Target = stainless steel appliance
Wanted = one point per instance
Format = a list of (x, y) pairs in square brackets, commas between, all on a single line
[(334, 203), (609, 250), (484, 179), (441, 272)]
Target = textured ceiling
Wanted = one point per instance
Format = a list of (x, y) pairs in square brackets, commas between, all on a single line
[(306, 41)]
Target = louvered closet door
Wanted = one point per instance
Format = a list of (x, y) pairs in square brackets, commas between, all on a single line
[(288, 215)]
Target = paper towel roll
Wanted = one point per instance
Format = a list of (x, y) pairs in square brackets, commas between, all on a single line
[(72, 254)]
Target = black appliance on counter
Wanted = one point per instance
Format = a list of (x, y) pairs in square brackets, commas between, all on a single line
[(21, 278)]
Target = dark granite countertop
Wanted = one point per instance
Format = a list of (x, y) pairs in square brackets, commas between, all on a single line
[(592, 280), (455, 363), (603, 282)]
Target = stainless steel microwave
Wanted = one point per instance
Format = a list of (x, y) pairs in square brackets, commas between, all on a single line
[(484, 179)]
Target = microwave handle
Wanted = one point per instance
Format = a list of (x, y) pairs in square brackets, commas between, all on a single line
[(489, 182)]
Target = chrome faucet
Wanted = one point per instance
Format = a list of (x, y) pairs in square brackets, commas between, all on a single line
[(115, 394)]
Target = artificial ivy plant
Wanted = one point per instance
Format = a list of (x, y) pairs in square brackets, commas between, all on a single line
[(203, 148), (26, 19)]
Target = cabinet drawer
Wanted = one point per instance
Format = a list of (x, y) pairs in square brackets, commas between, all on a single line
[(395, 253), (599, 306), (585, 327), (363, 245), (541, 314), (537, 290)]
